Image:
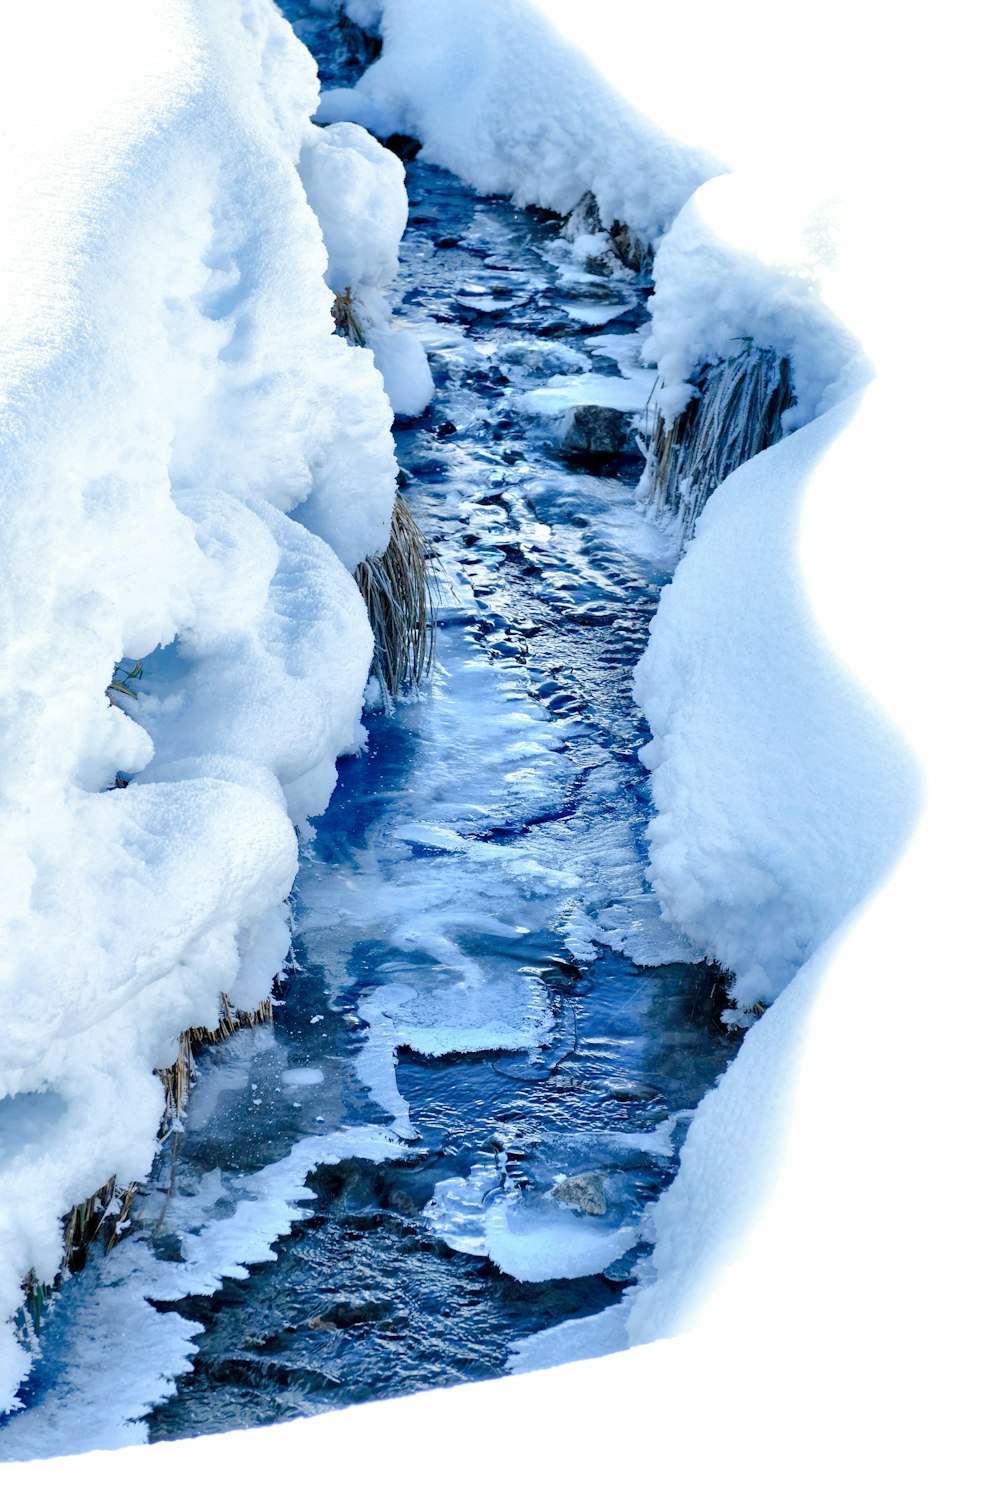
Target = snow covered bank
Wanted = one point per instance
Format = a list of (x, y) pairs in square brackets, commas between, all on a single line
[(497, 97), (781, 796), (175, 408)]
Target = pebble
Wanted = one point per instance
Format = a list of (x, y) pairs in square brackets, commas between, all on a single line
[(584, 1192)]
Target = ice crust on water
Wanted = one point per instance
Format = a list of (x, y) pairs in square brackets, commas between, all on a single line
[(118, 1357), (529, 1232), (192, 465), (543, 1242), (474, 1013), (578, 1338)]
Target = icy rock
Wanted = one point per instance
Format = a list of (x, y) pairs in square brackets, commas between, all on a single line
[(626, 1091), (584, 1192), (594, 430)]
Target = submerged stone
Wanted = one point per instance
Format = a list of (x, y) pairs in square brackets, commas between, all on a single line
[(597, 430)]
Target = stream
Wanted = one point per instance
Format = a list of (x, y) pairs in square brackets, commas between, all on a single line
[(485, 1008)]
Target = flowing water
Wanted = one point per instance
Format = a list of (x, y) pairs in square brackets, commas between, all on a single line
[(470, 915), (488, 1048)]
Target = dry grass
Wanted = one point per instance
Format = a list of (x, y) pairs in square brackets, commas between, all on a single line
[(177, 1079), (347, 318), (398, 590), (736, 413)]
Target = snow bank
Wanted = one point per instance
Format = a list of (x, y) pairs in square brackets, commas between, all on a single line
[(174, 408), (782, 797), (743, 260), (496, 96)]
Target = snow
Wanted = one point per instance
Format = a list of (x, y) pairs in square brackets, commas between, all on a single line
[(357, 190), (175, 409), (744, 261), (782, 797), (497, 97)]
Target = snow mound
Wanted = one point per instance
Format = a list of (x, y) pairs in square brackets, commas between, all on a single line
[(741, 262)]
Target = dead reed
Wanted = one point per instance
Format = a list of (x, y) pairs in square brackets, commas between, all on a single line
[(398, 590), (735, 414), (347, 317)]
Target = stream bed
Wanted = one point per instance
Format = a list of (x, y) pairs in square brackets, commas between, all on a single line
[(482, 966), (436, 1164)]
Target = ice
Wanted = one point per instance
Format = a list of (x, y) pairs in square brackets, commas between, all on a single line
[(595, 314), (579, 1338), (480, 1012), (299, 1078), (376, 1064), (118, 1357), (476, 1215), (566, 391)]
